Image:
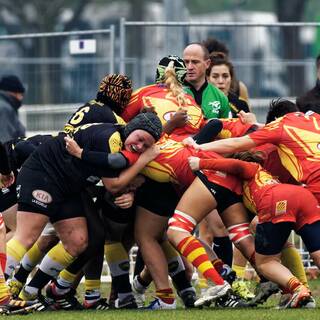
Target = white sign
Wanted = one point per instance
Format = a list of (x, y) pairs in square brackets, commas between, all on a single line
[(83, 46)]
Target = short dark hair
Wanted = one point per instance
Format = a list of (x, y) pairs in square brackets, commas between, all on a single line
[(214, 45), (280, 107)]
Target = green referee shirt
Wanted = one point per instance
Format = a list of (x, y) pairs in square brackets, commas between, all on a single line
[(213, 102)]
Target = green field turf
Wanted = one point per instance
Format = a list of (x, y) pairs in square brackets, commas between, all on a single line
[(265, 312)]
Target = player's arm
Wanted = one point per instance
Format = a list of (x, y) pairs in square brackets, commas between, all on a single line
[(209, 132), (118, 160), (229, 145), (241, 169), (115, 185)]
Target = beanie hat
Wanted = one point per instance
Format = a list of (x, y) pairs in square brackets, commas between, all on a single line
[(147, 121), (179, 68), (115, 89), (11, 83)]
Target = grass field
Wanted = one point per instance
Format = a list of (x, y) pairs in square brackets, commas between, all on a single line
[(265, 312)]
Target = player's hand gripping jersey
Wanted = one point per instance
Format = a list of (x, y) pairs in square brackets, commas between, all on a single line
[(165, 105), (233, 128), (171, 165)]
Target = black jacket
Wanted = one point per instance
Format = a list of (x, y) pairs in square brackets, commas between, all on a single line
[(310, 100)]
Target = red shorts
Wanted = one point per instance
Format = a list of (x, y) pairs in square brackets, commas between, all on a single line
[(289, 203)]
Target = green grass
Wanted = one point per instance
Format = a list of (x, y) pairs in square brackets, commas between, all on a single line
[(265, 312)]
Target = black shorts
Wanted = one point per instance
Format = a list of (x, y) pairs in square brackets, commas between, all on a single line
[(310, 234), (37, 193), (8, 197), (111, 211), (159, 198), (224, 197), (271, 237)]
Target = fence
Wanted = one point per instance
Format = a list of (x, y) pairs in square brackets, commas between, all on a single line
[(54, 69), (273, 59)]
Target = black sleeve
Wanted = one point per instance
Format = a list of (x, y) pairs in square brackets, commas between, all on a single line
[(208, 132), (4, 161), (23, 149), (105, 160)]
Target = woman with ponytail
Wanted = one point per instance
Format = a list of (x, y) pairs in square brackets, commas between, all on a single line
[(179, 113)]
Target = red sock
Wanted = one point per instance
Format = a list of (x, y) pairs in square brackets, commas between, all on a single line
[(192, 249), (293, 284), (166, 295), (218, 265), (3, 261)]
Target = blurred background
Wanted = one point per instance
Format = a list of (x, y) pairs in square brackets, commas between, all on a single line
[(273, 45)]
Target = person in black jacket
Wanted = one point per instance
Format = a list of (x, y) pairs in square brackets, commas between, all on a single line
[(11, 96), (311, 99)]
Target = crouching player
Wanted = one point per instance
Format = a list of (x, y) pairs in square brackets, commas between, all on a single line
[(281, 208)]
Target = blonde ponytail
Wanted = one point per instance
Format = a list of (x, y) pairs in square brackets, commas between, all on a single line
[(170, 79)]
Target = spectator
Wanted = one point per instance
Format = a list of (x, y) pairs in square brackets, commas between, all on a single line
[(237, 87), (221, 74), (311, 99), (11, 96)]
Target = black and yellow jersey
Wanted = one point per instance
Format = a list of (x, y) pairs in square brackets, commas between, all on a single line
[(19, 149), (237, 104), (92, 112), (68, 173)]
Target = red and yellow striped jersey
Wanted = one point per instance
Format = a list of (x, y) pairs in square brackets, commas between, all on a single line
[(233, 128), (165, 105), (297, 137), (171, 165)]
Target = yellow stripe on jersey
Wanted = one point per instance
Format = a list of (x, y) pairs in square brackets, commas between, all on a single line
[(290, 162), (159, 173), (119, 120), (247, 199), (307, 140), (115, 143)]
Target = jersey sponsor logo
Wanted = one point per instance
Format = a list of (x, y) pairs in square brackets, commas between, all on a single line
[(18, 190), (42, 196), (5, 190), (215, 106), (281, 207)]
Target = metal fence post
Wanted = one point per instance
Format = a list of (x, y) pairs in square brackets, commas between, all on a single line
[(122, 40)]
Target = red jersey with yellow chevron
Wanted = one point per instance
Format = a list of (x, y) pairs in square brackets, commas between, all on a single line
[(165, 105), (171, 165), (297, 137), (233, 128)]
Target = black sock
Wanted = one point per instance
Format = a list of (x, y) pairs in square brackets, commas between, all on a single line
[(22, 274), (139, 265), (39, 280), (222, 246)]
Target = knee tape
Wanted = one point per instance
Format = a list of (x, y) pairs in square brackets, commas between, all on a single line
[(182, 222), (239, 232)]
